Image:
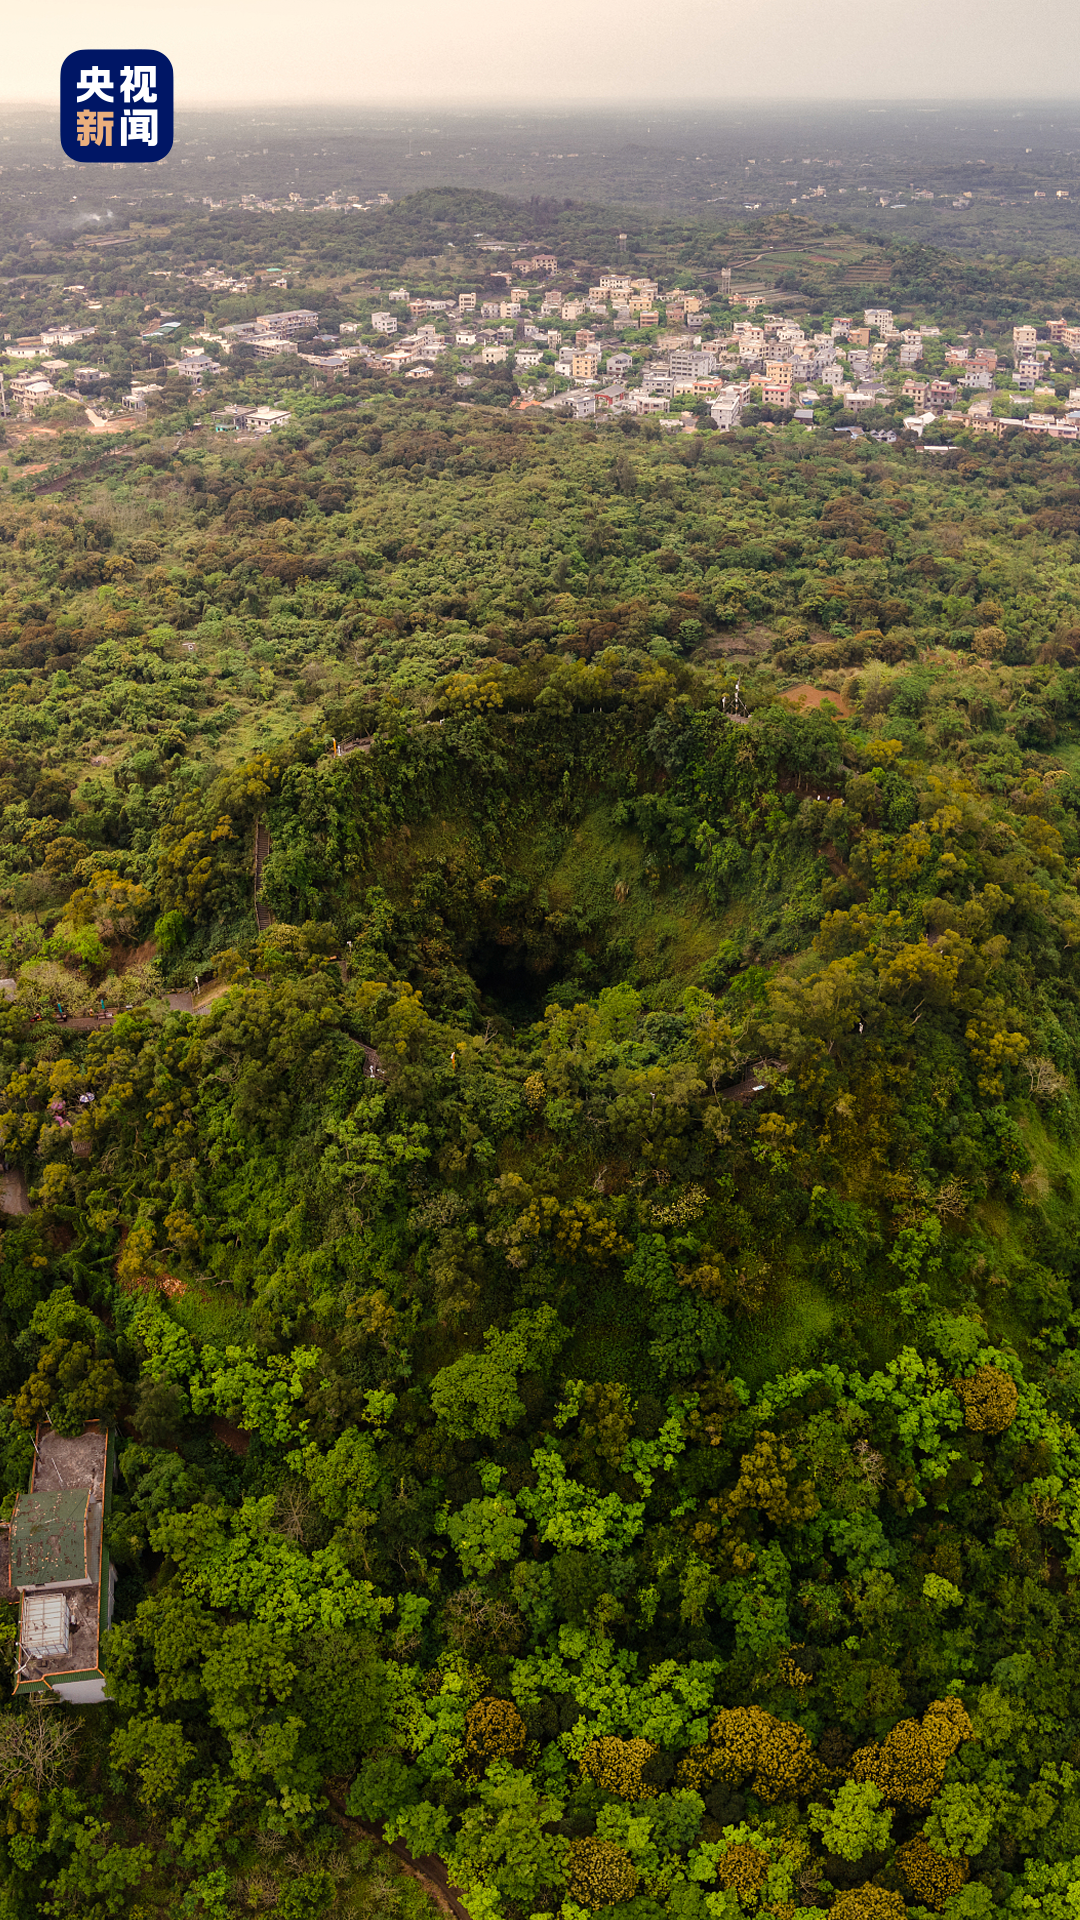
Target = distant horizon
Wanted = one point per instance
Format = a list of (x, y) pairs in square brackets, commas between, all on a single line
[(597, 103)]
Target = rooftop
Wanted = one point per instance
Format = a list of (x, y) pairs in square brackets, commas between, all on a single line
[(50, 1538), (58, 1561)]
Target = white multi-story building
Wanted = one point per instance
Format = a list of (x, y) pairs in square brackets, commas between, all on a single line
[(384, 322), (66, 336), (727, 407), (267, 346), (295, 320), (196, 366), (658, 378), (581, 405), (698, 362)]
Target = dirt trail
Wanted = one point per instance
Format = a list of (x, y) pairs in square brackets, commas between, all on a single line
[(80, 473), (428, 1869)]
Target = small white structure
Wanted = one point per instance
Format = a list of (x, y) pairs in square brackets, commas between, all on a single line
[(46, 1625), (265, 419)]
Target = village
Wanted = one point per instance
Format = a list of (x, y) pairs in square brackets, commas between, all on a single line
[(691, 357)]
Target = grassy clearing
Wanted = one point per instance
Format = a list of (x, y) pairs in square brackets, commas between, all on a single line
[(219, 1318), (786, 1334)]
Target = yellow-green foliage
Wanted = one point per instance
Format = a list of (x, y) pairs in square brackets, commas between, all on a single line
[(869, 1903), (698, 1768), (932, 1876), (601, 1873), (764, 1483), (946, 1724), (494, 1728), (989, 1399), (748, 1742), (744, 1870), (790, 1671), (616, 1766), (909, 1764)]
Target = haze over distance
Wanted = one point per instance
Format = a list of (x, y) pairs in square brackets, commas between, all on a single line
[(1003, 176)]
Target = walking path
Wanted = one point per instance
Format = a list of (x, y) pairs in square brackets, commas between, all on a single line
[(14, 1198), (427, 1868), (263, 915)]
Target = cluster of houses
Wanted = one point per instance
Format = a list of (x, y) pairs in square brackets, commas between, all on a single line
[(33, 389), (570, 353), (978, 369), (772, 360), (269, 335)]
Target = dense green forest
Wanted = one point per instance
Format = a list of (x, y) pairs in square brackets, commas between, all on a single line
[(591, 1307)]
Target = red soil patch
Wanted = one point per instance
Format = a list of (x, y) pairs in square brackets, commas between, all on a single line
[(165, 1283), (232, 1437)]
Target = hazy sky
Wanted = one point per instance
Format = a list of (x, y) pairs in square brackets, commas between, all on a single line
[(504, 51)]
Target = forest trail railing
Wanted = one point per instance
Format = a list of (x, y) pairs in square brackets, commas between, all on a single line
[(263, 915)]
